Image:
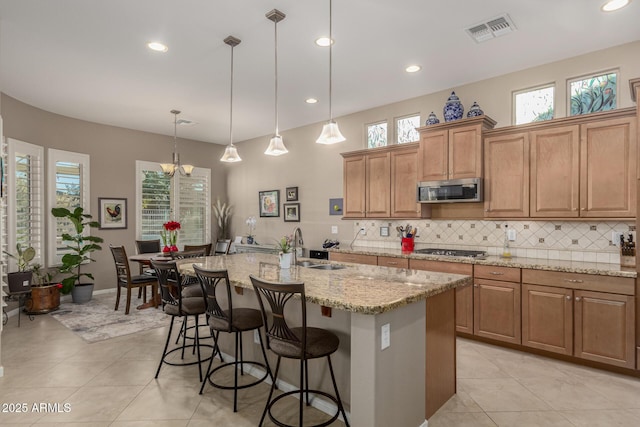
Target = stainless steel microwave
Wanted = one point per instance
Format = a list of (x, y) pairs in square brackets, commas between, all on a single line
[(450, 191)]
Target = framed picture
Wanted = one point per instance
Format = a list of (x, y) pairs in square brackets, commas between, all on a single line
[(335, 206), (292, 194), (269, 203), (291, 212), (112, 213)]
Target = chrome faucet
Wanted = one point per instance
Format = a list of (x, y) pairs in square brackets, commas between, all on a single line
[(297, 239)]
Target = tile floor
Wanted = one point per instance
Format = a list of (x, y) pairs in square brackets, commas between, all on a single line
[(110, 383)]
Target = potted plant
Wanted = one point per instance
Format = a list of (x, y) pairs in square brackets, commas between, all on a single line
[(223, 214), (251, 223), (45, 295), (20, 281), (80, 247), (284, 247)]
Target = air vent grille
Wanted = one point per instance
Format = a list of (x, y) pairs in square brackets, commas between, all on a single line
[(494, 27)]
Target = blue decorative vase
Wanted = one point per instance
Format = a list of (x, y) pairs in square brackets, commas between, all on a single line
[(432, 119), (453, 109), (475, 110)]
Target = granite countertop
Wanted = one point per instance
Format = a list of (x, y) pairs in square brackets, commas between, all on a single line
[(603, 269), (358, 288)]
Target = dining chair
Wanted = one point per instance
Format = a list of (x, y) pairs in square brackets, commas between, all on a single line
[(232, 321), (146, 247), (177, 305), (126, 280), (301, 343), (222, 247), (206, 248)]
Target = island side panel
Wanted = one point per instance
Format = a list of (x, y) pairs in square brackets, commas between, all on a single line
[(440, 381), (387, 386)]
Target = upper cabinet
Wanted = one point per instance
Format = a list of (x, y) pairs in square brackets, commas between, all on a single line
[(452, 150)]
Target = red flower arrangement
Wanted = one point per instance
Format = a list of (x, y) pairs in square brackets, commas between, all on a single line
[(170, 236)]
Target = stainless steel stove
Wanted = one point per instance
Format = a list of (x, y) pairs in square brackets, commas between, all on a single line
[(452, 252)]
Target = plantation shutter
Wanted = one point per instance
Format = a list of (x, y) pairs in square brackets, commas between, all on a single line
[(193, 207)]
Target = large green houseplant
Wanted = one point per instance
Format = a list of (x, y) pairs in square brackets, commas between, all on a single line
[(20, 281), (80, 247)]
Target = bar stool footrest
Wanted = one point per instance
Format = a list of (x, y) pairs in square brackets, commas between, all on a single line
[(195, 362), (231, 387), (297, 392)]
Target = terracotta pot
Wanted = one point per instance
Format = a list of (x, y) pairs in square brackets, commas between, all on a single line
[(43, 299)]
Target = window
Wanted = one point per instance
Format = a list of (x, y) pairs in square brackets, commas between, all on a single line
[(68, 187), (25, 183), (185, 199), (406, 129), (377, 134), (591, 94), (533, 105)]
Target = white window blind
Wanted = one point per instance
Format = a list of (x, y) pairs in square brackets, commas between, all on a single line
[(25, 217), (185, 199)]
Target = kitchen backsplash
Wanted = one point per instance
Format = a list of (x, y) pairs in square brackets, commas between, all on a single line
[(563, 240)]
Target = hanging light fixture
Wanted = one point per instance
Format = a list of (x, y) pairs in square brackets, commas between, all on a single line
[(330, 132), (276, 146), (170, 169), (231, 153)]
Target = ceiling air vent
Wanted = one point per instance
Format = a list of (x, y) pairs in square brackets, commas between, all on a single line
[(491, 28)]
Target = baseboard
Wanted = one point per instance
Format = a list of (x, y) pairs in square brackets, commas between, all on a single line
[(320, 404)]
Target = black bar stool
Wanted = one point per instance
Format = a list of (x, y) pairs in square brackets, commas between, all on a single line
[(233, 321), (301, 343)]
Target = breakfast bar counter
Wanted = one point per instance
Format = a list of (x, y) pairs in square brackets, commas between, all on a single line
[(399, 377)]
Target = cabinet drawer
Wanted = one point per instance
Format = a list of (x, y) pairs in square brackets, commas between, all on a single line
[(505, 274), (587, 282), (355, 258), (388, 261), (441, 266)]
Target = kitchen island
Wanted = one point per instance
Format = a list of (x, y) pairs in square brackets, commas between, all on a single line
[(402, 384)]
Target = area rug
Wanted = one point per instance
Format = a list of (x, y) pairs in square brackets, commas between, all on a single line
[(98, 321)]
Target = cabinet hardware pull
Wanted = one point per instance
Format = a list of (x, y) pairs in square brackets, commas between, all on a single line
[(578, 299), (475, 286), (568, 297), (573, 280), (496, 273)]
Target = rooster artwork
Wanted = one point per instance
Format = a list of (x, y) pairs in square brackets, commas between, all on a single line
[(115, 212)]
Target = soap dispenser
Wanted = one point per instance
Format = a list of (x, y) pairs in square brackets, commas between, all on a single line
[(506, 250)]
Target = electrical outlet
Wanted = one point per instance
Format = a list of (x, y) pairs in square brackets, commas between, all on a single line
[(256, 336), (385, 336), (511, 235), (615, 237), (334, 229), (363, 231), (384, 231)]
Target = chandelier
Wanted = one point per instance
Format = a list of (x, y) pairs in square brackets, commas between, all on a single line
[(170, 169)]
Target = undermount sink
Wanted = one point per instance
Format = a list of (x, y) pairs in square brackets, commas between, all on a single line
[(310, 264)]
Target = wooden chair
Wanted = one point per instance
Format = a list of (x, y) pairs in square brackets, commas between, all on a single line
[(126, 280), (222, 247), (206, 248), (146, 247), (300, 343)]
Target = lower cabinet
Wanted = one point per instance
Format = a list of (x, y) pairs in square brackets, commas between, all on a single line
[(588, 324), (496, 310), (354, 258)]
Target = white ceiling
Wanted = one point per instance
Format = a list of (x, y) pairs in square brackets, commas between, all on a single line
[(88, 58)]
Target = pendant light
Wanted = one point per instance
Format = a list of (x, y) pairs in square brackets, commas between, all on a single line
[(276, 146), (231, 153), (170, 169), (330, 132)]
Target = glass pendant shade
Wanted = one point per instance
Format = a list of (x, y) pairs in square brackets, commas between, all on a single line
[(168, 168), (230, 154), (276, 147), (330, 134)]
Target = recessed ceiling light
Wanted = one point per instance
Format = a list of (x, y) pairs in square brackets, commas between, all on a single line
[(413, 68), (324, 41), (157, 46), (311, 101), (612, 5)]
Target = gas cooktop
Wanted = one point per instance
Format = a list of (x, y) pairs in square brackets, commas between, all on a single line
[(452, 252)]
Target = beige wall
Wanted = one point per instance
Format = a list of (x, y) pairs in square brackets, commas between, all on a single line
[(113, 152), (317, 170)]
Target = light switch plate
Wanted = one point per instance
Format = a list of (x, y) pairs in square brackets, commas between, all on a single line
[(385, 336), (511, 235), (334, 229)]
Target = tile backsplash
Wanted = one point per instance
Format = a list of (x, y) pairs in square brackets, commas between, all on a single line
[(563, 240)]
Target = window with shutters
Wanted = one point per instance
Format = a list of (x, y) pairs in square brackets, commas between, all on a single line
[(186, 199), (68, 187), (25, 182)]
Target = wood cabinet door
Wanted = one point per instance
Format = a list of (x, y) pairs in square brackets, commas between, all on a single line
[(555, 162), (378, 185), (605, 328), (547, 318), (354, 258), (506, 176), (434, 156), (608, 168), (354, 186), (404, 181), (496, 310), (465, 152)]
